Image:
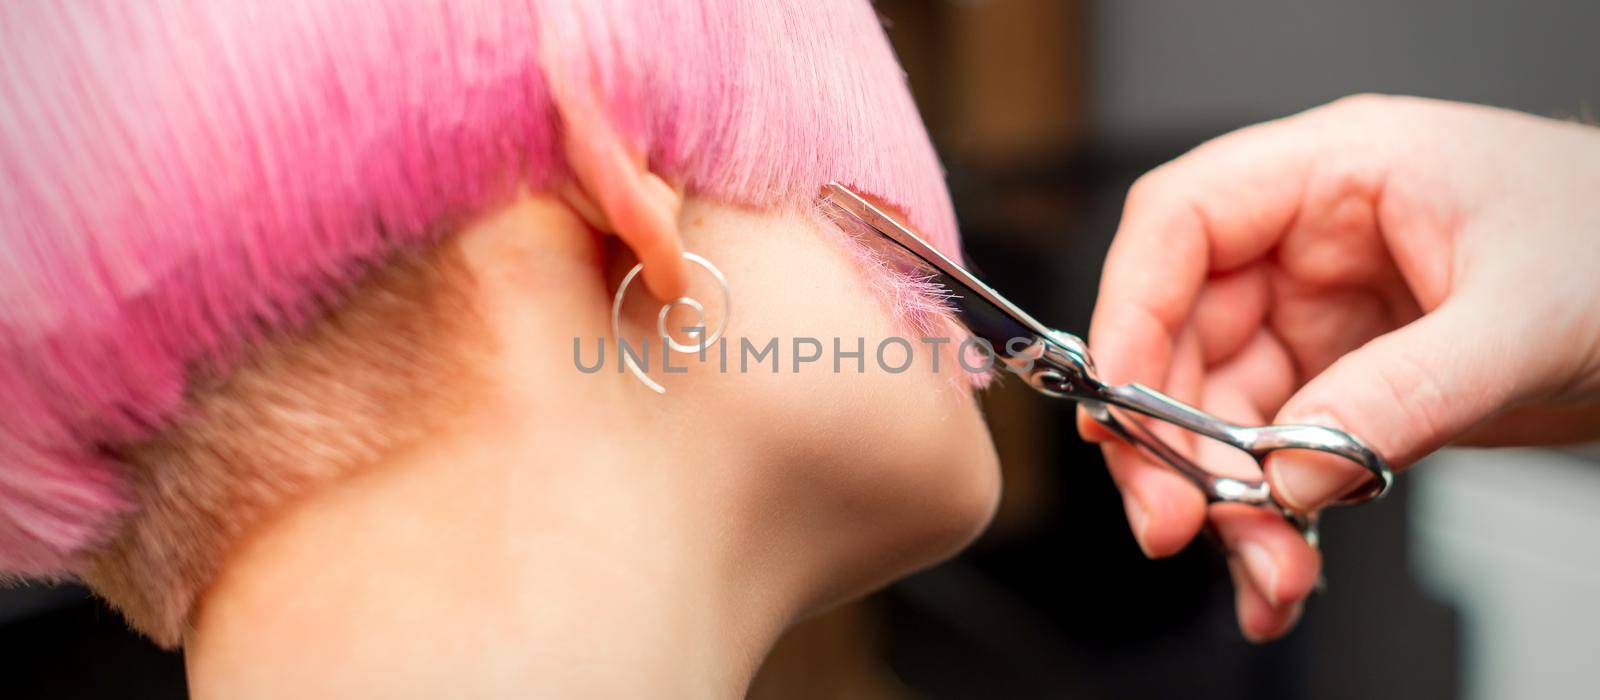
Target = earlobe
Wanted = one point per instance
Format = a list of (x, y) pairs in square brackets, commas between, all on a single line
[(617, 193)]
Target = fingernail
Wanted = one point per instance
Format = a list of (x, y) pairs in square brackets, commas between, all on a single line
[(1088, 429), (1138, 520), (1252, 637), (1241, 595), (1295, 613), (1293, 619), (1307, 482), (1263, 569)]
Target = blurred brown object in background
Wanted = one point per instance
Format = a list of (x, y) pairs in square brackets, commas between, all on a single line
[(1001, 83), (838, 654), (1012, 410), (1017, 70)]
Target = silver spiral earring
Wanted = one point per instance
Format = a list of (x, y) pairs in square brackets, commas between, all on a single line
[(703, 339)]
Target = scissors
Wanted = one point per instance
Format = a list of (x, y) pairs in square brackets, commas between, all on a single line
[(1057, 364)]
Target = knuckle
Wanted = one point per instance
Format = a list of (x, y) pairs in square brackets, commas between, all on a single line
[(1360, 114), (1139, 193), (1146, 190), (1362, 103)]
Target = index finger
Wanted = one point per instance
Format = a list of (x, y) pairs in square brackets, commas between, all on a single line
[(1215, 209)]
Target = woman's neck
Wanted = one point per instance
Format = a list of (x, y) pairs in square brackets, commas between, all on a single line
[(459, 569), (556, 542)]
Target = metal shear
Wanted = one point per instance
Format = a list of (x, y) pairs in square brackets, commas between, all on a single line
[(1057, 364)]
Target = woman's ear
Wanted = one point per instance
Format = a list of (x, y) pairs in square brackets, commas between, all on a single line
[(617, 193)]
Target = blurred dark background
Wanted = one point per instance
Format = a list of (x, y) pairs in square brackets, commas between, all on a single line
[(1045, 111)]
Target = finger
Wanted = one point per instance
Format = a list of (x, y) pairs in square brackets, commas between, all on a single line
[(1214, 209), (1226, 202), (1258, 619), (1228, 319), (1164, 509), (1228, 402), (1090, 430), (1261, 372), (1281, 564), (1321, 324), (1229, 311), (1406, 394)]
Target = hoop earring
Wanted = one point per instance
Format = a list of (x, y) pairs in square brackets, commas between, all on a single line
[(696, 329)]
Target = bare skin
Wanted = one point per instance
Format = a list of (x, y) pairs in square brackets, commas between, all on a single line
[(575, 535)]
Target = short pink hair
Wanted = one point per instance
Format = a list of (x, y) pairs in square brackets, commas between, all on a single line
[(182, 176)]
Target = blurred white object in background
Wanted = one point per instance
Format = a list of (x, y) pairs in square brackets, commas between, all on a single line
[(1512, 538)]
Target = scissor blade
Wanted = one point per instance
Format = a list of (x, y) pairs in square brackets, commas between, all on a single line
[(984, 311)]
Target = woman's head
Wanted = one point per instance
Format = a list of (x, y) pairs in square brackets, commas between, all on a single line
[(252, 247)]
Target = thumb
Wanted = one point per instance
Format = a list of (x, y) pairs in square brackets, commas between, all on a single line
[(1405, 394)]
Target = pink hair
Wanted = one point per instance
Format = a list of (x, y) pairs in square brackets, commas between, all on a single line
[(183, 175)]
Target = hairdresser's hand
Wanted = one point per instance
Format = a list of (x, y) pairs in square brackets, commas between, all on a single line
[(1414, 272)]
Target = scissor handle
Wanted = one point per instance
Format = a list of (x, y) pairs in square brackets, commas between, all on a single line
[(1256, 441)]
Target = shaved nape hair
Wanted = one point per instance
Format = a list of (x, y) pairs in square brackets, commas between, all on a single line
[(195, 193)]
